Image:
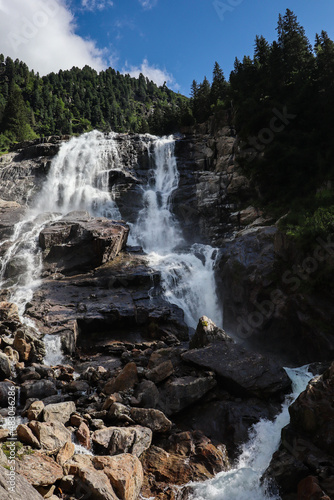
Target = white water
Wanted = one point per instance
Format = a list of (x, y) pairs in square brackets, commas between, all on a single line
[(242, 482), (188, 274), (78, 180)]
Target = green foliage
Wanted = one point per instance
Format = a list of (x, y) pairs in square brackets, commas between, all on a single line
[(78, 100), (296, 155)]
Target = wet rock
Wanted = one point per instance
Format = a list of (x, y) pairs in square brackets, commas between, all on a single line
[(79, 241), (151, 418), (23, 489), (207, 333), (312, 414), (51, 435), (189, 457), (181, 392), (4, 388), (307, 442), (116, 440), (59, 412), (241, 371), (10, 213), (39, 469), (309, 489), (38, 389)]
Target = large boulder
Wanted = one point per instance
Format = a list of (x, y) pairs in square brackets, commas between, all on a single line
[(239, 370), (207, 333), (51, 436), (116, 440), (39, 469), (79, 241), (59, 412), (107, 478)]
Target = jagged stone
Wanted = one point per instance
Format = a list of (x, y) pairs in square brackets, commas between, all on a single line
[(116, 440)]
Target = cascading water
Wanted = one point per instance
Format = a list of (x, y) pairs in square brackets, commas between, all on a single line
[(187, 273), (243, 481), (78, 180)]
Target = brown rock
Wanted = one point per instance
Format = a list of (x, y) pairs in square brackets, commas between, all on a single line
[(65, 453), (4, 434), (59, 412), (125, 380), (309, 489), (125, 474), (51, 435), (35, 410), (23, 489), (151, 418), (39, 469), (161, 372), (26, 436), (22, 346), (116, 440), (83, 435)]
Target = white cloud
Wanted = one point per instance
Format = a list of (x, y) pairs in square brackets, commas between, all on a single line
[(148, 4), (42, 33), (158, 75), (96, 4)]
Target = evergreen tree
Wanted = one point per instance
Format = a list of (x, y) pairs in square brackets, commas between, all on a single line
[(219, 85)]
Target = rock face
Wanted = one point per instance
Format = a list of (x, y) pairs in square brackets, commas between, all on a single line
[(307, 447), (80, 242)]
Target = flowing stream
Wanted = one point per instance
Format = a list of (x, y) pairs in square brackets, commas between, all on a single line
[(242, 482)]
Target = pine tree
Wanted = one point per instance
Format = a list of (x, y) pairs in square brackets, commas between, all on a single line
[(219, 85)]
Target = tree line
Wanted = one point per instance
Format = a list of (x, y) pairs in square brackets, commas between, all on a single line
[(282, 102), (78, 100)]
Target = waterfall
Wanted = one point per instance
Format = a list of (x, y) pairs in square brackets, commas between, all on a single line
[(187, 273), (78, 180), (79, 177), (242, 482)]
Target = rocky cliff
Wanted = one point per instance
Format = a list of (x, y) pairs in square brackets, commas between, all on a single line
[(132, 389)]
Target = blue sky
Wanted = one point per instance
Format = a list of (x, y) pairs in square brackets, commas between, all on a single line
[(172, 40)]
